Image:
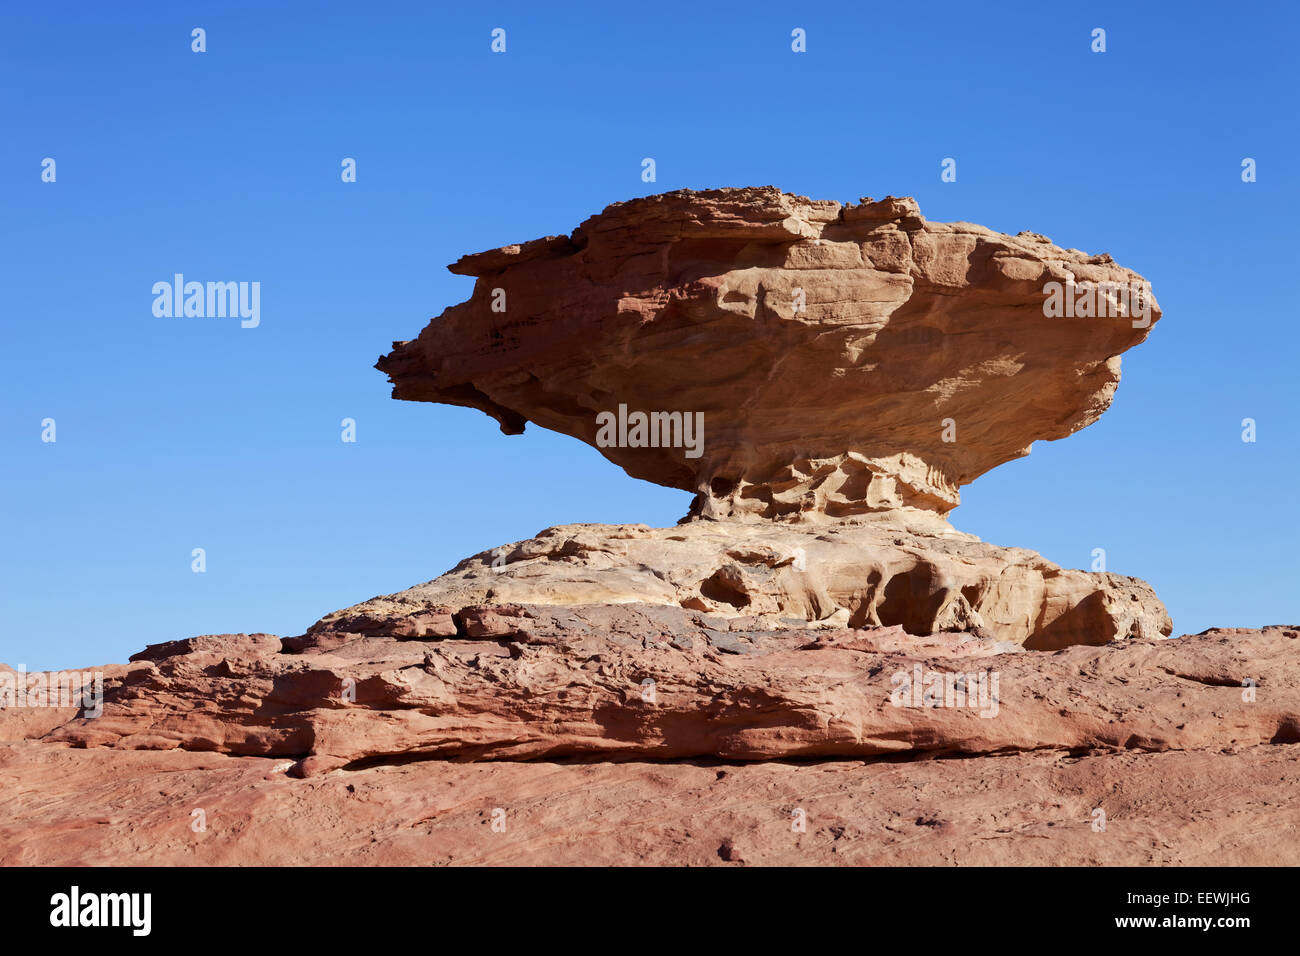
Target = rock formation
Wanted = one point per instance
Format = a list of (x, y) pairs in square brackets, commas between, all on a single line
[(808, 641), (844, 369), (522, 682), (823, 345), (912, 571)]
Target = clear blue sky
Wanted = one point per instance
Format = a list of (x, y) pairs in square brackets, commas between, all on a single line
[(174, 434)]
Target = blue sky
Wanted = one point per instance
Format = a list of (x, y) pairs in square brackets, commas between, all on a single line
[(174, 434)]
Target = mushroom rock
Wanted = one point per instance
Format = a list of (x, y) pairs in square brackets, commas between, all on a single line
[(817, 615), (839, 359), (823, 377)]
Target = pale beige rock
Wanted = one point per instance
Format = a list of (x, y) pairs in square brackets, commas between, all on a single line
[(909, 568)]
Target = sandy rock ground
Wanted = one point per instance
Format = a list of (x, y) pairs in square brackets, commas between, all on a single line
[(68, 806), (235, 749)]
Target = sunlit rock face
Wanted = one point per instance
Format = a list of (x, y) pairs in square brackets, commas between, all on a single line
[(786, 357), (909, 570), (823, 377)]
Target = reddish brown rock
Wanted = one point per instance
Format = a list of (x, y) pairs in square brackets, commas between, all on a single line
[(635, 681), (1186, 765), (104, 807)]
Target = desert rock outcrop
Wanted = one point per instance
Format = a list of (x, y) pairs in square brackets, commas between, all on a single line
[(912, 571), (838, 369), (840, 359), (520, 682)]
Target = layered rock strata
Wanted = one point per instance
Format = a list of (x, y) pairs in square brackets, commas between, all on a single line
[(531, 682)]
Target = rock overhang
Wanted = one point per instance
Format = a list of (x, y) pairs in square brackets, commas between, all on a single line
[(838, 359)]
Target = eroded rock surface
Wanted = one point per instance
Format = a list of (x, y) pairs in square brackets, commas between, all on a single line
[(913, 571), (844, 370), (530, 682), (824, 346)]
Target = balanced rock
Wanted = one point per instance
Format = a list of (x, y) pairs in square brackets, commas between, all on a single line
[(840, 370), (590, 678), (788, 356)]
